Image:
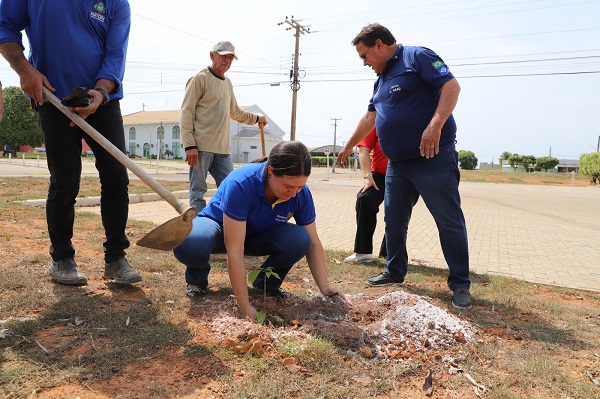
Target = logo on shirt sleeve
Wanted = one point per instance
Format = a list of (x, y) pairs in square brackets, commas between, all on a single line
[(99, 12), (441, 67)]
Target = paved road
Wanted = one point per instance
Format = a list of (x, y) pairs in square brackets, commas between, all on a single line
[(540, 234)]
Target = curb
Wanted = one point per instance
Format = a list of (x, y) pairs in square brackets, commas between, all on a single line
[(133, 198)]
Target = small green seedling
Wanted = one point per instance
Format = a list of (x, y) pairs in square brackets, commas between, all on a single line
[(261, 317)]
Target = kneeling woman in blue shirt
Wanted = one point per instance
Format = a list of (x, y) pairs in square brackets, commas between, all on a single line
[(249, 215)]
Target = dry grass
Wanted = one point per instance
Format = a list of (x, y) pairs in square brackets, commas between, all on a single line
[(538, 178), (150, 341)]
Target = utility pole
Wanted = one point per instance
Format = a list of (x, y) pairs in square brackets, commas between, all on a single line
[(334, 140), (160, 133), (295, 84), (598, 145)]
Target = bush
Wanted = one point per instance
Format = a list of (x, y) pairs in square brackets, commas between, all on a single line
[(467, 160)]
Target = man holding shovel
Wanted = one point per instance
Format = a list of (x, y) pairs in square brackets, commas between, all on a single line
[(76, 44), (207, 108)]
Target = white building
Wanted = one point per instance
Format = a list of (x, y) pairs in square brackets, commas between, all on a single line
[(146, 131)]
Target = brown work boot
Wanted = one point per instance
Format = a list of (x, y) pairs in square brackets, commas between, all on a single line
[(120, 271), (64, 271)]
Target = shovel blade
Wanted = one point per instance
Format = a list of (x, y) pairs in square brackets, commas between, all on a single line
[(170, 234)]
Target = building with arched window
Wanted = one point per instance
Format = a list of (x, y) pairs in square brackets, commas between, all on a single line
[(148, 133)]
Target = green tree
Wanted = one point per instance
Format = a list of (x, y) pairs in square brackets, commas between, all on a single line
[(546, 163), (514, 161), (504, 156), (19, 125), (589, 165), (467, 160), (527, 161)]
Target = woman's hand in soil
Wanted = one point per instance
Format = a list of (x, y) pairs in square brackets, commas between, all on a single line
[(249, 312), (328, 291)]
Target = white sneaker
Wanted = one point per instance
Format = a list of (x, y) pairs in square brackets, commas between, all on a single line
[(359, 258)]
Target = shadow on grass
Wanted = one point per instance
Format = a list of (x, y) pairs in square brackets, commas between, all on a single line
[(91, 337)]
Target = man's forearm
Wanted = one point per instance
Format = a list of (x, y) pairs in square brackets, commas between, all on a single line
[(448, 100), (106, 84), (15, 57), (364, 127), (364, 156)]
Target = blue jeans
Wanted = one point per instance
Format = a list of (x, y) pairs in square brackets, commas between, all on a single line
[(284, 245), (436, 181), (63, 152), (219, 166)]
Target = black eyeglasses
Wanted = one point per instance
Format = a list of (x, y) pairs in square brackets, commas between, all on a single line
[(363, 56)]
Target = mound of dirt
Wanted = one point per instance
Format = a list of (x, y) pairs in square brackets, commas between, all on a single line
[(397, 325)]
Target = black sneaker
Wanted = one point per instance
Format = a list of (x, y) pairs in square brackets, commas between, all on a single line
[(120, 271), (382, 280), (64, 271), (194, 291), (462, 299), (279, 293)]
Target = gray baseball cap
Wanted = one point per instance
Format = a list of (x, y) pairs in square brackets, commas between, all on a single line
[(224, 48)]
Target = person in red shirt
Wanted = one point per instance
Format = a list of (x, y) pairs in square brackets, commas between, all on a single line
[(369, 198)]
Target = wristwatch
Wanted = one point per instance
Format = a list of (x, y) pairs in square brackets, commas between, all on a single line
[(105, 94), (366, 175)]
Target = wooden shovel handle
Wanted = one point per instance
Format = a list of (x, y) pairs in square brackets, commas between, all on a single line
[(119, 156), (262, 138)]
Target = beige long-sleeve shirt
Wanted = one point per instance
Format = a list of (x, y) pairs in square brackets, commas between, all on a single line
[(206, 112)]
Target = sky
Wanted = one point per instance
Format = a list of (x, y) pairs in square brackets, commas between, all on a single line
[(529, 70)]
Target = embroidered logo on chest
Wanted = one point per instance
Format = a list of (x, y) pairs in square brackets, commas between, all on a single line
[(99, 12), (395, 88)]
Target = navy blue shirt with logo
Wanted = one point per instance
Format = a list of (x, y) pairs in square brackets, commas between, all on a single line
[(73, 43), (405, 98)]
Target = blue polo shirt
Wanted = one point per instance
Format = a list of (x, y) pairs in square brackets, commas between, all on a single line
[(241, 196), (405, 98), (73, 43)]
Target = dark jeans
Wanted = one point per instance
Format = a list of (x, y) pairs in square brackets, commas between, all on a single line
[(284, 244), (63, 151), (367, 207), (436, 181)]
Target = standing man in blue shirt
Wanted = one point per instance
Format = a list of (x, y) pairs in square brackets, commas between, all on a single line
[(81, 43), (413, 99)]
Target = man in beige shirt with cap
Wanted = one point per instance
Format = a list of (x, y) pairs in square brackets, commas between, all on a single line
[(208, 106)]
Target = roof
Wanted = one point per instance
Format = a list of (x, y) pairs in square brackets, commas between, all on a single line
[(569, 162), (152, 117), (326, 147)]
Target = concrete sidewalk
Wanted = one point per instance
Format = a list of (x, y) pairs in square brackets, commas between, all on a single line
[(541, 234)]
